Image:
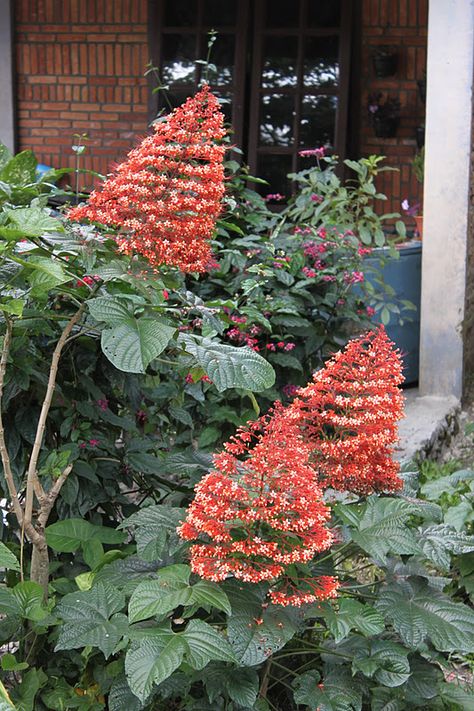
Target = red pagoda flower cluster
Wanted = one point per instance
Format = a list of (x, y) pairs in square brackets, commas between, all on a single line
[(166, 196), (261, 509)]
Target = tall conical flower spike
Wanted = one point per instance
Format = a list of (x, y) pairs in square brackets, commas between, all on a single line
[(166, 196)]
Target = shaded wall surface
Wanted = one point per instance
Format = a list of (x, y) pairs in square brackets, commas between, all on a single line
[(80, 69)]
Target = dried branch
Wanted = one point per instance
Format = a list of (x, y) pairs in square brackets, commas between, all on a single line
[(32, 474)]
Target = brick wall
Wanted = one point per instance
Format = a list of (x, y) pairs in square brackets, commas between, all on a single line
[(401, 24), (79, 66)]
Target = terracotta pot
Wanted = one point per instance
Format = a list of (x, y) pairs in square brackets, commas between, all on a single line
[(419, 226)]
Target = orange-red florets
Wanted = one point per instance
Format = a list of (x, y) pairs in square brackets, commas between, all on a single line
[(166, 196), (261, 509)]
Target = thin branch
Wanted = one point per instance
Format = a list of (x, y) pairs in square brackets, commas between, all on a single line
[(3, 448), (32, 475), (50, 497)]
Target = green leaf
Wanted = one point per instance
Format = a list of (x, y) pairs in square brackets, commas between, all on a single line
[(24, 695), (230, 367), (208, 594), (46, 274), (419, 612), (154, 525), (151, 662), (158, 597), (121, 697), (7, 559), (379, 526), (30, 599), (205, 644), (5, 155), (384, 660), (86, 622), (68, 535), (255, 632), (21, 169), (13, 306), (8, 663), (439, 542), (240, 684), (352, 614), (132, 345), (112, 311), (446, 484), (338, 692), (34, 222)]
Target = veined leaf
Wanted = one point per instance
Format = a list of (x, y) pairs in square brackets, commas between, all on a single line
[(7, 559), (205, 643), (151, 662), (88, 619), (338, 692), (66, 536), (230, 367), (419, 612), (33, 221)]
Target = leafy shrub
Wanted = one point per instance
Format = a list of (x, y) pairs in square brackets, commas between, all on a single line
[(115, 379)]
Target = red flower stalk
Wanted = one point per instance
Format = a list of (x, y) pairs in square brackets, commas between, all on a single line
[(166, 196), (349, 415), (254, 518)]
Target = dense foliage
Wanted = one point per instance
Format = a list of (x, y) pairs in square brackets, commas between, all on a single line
[(118, 377)]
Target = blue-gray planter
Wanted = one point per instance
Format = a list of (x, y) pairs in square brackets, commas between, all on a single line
[(404, 276)]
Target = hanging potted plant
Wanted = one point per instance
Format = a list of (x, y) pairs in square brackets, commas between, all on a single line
[(385, 61), (414, 209), (384, 114)]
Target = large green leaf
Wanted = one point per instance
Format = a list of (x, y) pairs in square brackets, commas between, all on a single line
[(349, 615), (378, 526), (256, 632), (130, 343), (154, 525), (34, 222), (419, 612), (135, 343), (158, 597), (151, 662), (205, 643), (446, 484), (45, 274), (7, 559), (384, 660), (89, 620), (338, 692), (21, 169), (121, 697), (439, 542), (240, 684), (230, 367), (68, 535), (5, 155)]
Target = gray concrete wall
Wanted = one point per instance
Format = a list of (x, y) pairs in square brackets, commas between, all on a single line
[(7, 112), (450, 74)]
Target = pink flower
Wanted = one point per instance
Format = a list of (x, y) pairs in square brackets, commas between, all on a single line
[(189, 379), (281, 344), (289, 346), (310, 273), (166, 294), (103, 404), (290, 390), (318, 152), (94, 442), (274, 196), (370, 311), (316, 198), (271, 347)]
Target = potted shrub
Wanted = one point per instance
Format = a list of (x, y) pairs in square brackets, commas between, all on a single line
[(384, 114), (385, 61)]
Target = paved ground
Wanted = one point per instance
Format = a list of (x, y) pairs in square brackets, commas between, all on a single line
[(430, 424)]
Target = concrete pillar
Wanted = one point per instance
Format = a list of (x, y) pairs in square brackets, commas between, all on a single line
[(7, 109), (449, 104)]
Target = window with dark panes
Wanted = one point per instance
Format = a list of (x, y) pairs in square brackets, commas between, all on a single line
[(281, 67)]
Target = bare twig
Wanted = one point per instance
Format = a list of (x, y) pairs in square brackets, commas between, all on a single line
[(32, 474), (50, 497)]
